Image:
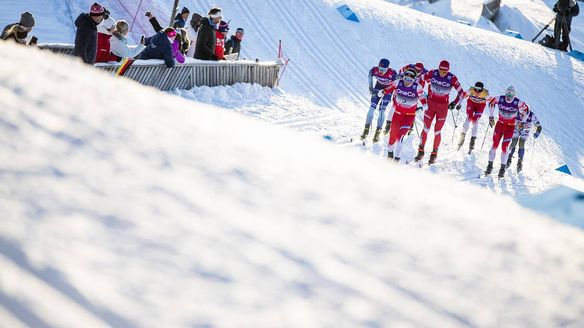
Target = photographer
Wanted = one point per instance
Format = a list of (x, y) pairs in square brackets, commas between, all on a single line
[(566, 9)]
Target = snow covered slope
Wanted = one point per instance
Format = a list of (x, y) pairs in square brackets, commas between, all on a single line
[(324, 86), (122, 206)]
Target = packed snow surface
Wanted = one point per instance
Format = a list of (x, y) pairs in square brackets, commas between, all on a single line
[(123, 206)]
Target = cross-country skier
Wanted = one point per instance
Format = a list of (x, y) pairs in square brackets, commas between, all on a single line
[(441, 82), (520, 136), (477, 99), (383, 75), (407, 93), (418, 68), (510, 108)]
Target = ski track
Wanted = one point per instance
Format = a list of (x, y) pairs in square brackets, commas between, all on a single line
[(307, 44), (298, 72)]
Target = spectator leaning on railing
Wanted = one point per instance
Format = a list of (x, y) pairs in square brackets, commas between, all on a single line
[(86, 35), (119, 42), (192, 30), (221, 34), (206, 38), (104, 34), (179, 42), (233, 45), (160, 46), (19, 32)]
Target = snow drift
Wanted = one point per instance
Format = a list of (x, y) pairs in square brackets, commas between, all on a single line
[(123, 206)]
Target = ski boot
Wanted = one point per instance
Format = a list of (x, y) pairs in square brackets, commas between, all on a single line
[(390, 155), (433, 156), (461, 141), (376, 135), (396, 159), (365, 132), (489, 168), (420, 153), (519, 165), (472, 144), (502, 171), (387, 127)]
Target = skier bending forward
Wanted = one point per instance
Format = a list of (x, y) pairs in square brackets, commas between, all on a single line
[(407, 93), (520, 136)]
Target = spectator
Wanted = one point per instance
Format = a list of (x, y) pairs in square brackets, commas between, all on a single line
[(221, 34), (566, 9), (104, 34), (233, 45), (183, 40), (86, 36), (119, 42), (19, 31), (206, 37), (182, 44), (160, 46), (181, 19), (192, 30)]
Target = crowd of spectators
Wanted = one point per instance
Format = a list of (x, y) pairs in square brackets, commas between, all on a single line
[(99, 38)]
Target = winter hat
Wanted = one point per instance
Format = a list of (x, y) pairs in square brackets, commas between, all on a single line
[(479, 85), (196, 19), (170, 32), (185, 10), (444, 65), (223, 27), (215, 13), (106, 25), (26, 20), (96, 10), (419, 67), (410, 72), (384, 62)]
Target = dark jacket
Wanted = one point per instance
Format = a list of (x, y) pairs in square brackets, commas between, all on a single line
[(14, 32), (86, 39), (568, 9), (158, 47), (206, 40), (179, 21), (155, 24), (233, 46)]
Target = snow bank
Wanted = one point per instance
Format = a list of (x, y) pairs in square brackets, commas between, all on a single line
[(123, 206)]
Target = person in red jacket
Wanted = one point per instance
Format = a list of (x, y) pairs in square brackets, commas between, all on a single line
[(104, 33), (440, 83), (221, 34)]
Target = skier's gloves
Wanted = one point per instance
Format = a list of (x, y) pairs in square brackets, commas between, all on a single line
[(520, 126), (380, 94), (457, 107), (451, 105), (536, 135), (371, 90), (491, 121), (419, 108)]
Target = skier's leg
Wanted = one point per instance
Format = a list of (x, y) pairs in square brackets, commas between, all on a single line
[(497, 134), (372, 108), (441, 114), (381, 119), (393, 133), (478, 113), (507, 137), (428, 118), (469, 117)]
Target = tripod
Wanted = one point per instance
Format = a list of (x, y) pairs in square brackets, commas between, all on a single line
[(545, 27)]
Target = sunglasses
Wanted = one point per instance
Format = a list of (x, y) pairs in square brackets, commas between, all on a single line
[(383, 69), (478, 89), (509, 94), (408, 78)]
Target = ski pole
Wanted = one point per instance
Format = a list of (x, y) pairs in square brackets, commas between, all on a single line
[(545, 27), (485, 138), (455, 125)]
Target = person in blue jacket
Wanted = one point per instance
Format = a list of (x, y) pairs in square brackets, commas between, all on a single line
[(159, 46)]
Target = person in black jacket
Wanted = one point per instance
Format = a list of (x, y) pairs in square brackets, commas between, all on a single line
[(566, 9), (86, 36), (206, 38), (233, 45), (159, 46), (19, 31)]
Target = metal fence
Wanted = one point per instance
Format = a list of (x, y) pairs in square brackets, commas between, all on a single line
[(190, 74)]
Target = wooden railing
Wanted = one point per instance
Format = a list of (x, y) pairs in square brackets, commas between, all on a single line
[(192, 73)]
